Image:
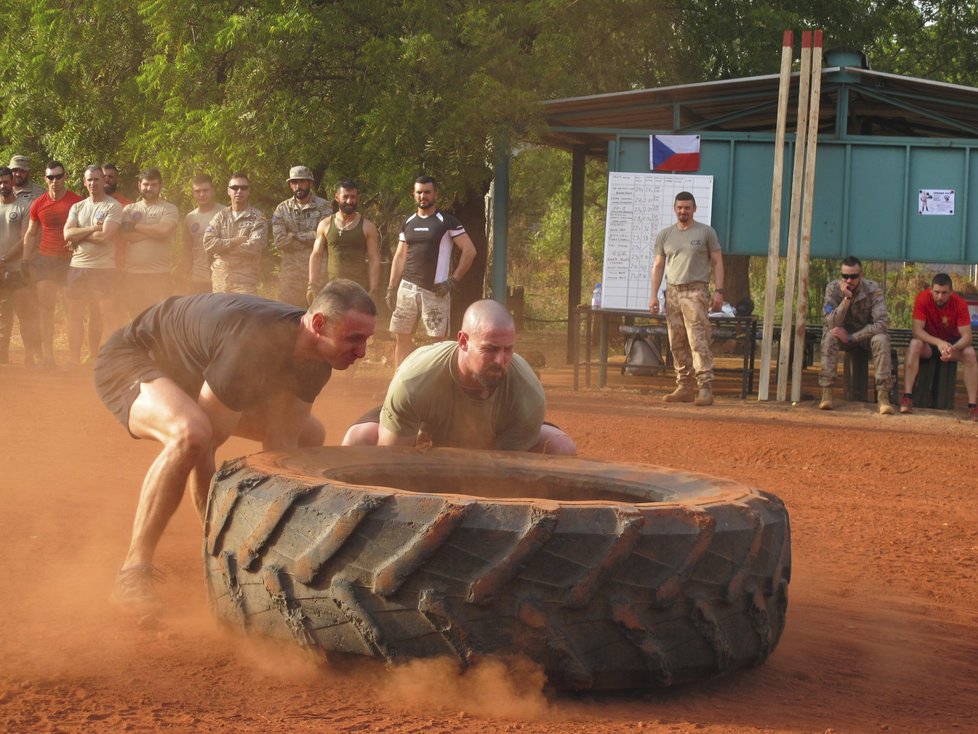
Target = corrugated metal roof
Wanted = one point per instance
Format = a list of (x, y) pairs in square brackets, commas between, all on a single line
[(877, 103)]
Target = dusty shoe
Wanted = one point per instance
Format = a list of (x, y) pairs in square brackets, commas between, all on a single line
[(681, 394), (826, 403), (134, 587), (906, 404), (883, 399), (972, 414), (705, 397)]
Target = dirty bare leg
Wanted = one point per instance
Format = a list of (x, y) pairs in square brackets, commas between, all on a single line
[(166, 414)]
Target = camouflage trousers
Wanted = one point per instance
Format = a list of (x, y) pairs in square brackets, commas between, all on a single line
[(223, 281), (878, 345), (688, 323), (293, 276)]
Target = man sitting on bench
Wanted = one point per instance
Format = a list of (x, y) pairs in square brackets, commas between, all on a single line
[(941, 328), (856, 318)]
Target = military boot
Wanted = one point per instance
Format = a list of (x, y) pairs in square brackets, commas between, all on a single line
[(705, 396), (883, 398), (826, 403), (682, 394)]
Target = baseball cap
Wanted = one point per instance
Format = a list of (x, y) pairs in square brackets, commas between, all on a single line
[(297, 173), (20, 161)]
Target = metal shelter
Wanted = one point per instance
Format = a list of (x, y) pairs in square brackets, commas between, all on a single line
[(882, 139)]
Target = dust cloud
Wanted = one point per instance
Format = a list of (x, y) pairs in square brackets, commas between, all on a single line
[(503, 689)]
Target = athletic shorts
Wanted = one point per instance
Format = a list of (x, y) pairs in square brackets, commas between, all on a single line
[(49, 267), (119, 370), (414, 303), (84, 283)]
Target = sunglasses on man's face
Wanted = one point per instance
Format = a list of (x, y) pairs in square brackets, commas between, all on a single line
[(54, 176), (239, 188), (850, 276)]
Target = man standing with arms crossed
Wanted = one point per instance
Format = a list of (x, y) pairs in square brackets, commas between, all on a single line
[(294, 224), (941, 329), (685, 251), (148, 228), (92, 227), (236, 238), (421, 281), (190, 372), (46, 251), (350, 243), (196, 260)]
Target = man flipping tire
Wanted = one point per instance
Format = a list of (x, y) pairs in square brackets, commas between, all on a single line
[(191, 372)]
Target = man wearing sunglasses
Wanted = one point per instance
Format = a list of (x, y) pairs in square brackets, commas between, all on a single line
[(856, 318), (47, 252), (236, 238)]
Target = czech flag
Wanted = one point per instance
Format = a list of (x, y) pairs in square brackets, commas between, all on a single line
[(675, 152)]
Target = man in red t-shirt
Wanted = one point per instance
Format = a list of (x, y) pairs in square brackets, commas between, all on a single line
[(46, 251), (941, 328)]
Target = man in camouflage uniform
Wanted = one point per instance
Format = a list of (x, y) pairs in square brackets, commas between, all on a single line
[(294, 232), (235, 239), (684, 252), (856, 318), (24, 189)]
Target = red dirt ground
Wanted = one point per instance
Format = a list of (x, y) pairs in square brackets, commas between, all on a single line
[(882, 617)]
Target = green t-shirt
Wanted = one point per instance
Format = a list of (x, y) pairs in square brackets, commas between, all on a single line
[(425, 396), (687, 252)]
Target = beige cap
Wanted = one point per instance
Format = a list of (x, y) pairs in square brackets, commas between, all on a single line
[(20, 161), (297, 173)]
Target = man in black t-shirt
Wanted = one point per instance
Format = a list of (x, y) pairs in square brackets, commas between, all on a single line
[(190, 372), (421, 279)]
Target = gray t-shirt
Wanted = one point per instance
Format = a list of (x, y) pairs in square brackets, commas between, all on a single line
[(424, 395), (196, 222), (89, 254), (12, 219), (151, 255), (687, 252)]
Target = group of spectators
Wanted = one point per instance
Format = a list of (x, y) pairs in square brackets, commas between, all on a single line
[(113, 257)]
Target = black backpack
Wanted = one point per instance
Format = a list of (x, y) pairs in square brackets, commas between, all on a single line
[(642, 357)]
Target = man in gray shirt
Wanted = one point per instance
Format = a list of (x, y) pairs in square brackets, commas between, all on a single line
[(684, 252)]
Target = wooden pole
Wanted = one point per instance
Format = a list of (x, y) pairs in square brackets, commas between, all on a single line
[(806, 224), (774, 243), (804, 82)]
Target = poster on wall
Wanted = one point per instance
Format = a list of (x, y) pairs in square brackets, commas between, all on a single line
[(640, 205), (936, 202)]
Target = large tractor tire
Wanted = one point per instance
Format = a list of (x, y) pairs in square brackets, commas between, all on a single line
[(608, 575)]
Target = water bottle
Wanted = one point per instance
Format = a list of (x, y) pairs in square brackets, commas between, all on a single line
[(596, 296)]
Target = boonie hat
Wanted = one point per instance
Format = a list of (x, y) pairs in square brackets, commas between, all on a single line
[(20, 161), (297, 173)]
